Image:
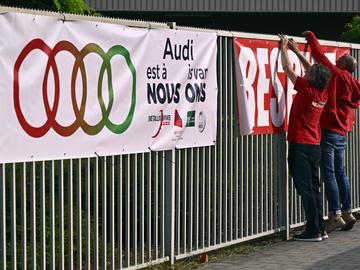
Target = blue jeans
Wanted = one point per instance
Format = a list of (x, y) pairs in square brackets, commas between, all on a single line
[(337, 186), (304, 162)]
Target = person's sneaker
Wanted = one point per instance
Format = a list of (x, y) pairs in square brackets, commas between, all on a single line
[(334, 222), (308, 237), (349, 221), (324, 235)]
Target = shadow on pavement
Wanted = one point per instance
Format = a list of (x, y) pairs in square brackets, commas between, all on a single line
[(348, 260)]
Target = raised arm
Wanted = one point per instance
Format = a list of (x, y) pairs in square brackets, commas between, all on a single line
[(285, 59), (317, 51), (293, 46)]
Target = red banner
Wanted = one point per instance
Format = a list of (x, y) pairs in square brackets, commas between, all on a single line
[(264, 92)]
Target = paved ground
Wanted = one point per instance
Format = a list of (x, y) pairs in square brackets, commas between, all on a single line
[(340, 252)]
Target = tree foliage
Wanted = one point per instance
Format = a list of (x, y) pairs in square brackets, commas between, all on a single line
[(352, 33), (69, 6)]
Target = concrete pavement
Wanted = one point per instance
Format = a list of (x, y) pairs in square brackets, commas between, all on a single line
[(340, 252)]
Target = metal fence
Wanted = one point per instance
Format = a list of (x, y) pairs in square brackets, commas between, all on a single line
[(132, 211)]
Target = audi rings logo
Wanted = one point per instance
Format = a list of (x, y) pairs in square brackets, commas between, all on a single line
[(79, 64)]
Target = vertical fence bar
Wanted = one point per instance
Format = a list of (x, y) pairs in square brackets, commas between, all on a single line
[(134, 191), (255, 180), (13, 218), (103, 179), (284, 186), (225, 152), (3, 260), (208, 195), (232, 139), (23, 217), (96, 213), (266, 185), (142, 209), (127, 212), (191, 198), (272, 192), (202, 172), (33, 215), (195, 175), (184, 181), (241, 187), (112, 211), (251, 185), (169, 205), (162, 189), (149, 210), (79, 189), (246, 188), (87, 178), (178, 192), (262, 186), (61, 215), (120, 212), (52, 215), (156, 210), (70, 217), (220, 144)]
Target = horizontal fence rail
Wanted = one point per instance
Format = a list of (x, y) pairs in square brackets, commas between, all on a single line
[(133, 211)]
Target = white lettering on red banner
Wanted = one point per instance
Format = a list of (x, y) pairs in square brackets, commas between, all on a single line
[(264, 93)]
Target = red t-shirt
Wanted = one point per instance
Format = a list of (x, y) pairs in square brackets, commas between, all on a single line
[(343, 94), (305, 113)]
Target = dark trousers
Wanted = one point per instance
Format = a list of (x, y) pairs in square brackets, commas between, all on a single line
[(304, 162)]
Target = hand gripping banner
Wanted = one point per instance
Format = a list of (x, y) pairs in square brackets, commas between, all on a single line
[(78, 89)]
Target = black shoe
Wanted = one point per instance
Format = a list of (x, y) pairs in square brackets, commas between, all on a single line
[(308, 237)]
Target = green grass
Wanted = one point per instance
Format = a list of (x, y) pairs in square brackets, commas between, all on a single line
[(216, 255)]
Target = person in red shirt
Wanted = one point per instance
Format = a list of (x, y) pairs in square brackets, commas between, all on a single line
[(304, 138), (336, 121)]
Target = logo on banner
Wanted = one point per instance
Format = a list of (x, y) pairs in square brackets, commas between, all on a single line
[(177, 119), (78, 67), (201, 121), (190, 120), (163, 119)]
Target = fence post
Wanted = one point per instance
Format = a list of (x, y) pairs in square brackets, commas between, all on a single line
[(284, 186), (2, 218), (170, 205), (170, 197)]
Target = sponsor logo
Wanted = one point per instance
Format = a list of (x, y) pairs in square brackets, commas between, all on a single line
[(201, 121), (190, 120), (77, 68), (177, 119), (164, 120)]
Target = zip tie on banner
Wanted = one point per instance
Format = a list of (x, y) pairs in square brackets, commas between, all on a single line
[(63, 19), (97, 155)]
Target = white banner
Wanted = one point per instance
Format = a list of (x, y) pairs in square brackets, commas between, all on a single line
[(79, 89)]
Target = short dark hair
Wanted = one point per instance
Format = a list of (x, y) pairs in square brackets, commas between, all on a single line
[(319, 76), (350, 63)]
